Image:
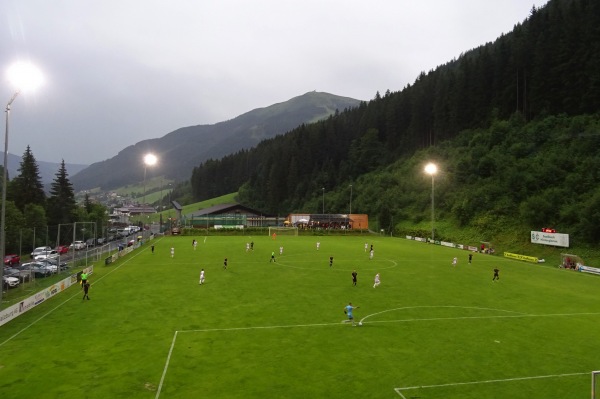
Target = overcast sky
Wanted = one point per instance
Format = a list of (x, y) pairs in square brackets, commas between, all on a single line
[(121, 71)]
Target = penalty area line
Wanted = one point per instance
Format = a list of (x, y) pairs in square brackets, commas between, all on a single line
[(164, 373), (261, 327), (537, 377)]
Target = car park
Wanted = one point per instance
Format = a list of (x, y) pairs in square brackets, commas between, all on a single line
[(10, 282), (10, 260), (39, 251)]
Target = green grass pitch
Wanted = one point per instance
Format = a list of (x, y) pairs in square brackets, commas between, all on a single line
[(274, 330)]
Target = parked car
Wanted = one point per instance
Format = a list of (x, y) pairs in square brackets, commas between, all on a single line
[(47, 255), (10, 282), (101, 241), (22, 275), (38, 269), (77, 245), (10, 260), (54, 264), (39, 251), (62, 249)]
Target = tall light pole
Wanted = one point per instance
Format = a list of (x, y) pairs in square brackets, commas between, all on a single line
[(350, 213), (351, 199), (431, 169), (24, 76), (149, 160), (323, 189)]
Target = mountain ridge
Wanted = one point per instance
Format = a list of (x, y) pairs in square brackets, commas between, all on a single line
[(183, 149)]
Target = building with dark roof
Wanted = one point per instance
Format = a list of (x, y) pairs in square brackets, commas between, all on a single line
[(230, 215)]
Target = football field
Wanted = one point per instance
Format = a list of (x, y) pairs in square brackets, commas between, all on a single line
[(262, 329)]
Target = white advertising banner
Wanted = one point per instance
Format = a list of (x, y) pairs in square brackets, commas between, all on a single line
[(555, 239)]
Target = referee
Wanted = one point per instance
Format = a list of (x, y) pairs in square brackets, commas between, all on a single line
[(84, 278)]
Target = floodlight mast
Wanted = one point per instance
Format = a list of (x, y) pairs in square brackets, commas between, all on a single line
[(149, 160), (24, 76), (431, 169)]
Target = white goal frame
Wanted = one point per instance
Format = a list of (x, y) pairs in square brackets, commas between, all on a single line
[(595, 378), (286, 231)]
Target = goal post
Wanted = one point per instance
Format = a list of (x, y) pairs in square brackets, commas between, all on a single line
[(595, 378), (283, 231)]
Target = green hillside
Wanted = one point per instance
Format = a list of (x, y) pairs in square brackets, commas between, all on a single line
[(513, 126)]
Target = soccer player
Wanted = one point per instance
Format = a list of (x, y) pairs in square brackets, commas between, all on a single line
[(366, 246), (330, 261), (252, 245), (272, 257), (348, 311), (377, 281), (172, 252), (280, 250), (201, 277), (86, 288), (496, 275), (318, 245), (152, 248), (371, 254), (454, 261), (194, 244), (470, 257), (354, 274), (225, 264), (247, 246)]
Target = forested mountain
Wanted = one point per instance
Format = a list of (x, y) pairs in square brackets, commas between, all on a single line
[(179, 151), (548, 65)]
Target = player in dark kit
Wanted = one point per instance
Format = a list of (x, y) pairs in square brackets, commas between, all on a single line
[(354, 274), (496, 276), (86, 288), (330, 261), (470, 257), (225, 264)]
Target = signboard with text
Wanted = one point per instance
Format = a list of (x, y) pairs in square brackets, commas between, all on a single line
[(555, 239)]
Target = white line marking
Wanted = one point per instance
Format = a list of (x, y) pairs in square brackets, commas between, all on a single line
[(518, 315), (484, 317), (67, 300), (398, 390), (162, 378), (261, 327)]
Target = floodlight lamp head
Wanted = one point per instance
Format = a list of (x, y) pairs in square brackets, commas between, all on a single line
[(431, 169), (24, 76), (150, 159)]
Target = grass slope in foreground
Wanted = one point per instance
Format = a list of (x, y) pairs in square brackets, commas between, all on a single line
[(274, 330)]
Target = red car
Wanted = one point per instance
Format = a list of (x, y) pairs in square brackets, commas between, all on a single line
[(62, 249), (10, 260)]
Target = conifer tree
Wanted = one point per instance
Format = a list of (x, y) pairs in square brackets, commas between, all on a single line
[(27, 188), (62, 207)]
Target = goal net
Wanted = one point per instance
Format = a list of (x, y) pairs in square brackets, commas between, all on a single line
[(283, 231)]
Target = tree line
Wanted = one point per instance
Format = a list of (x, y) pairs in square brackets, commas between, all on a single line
[(33, 218), (546, 67)]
